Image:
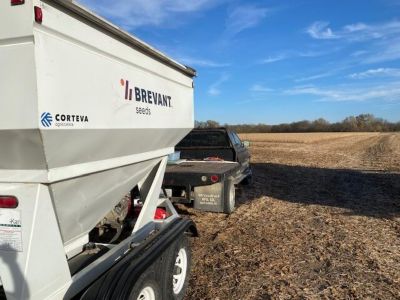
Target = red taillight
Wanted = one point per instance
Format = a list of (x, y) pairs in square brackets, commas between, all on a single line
[(8, 202), (214, 178), (38, 14), (160, 214), (17, 2)]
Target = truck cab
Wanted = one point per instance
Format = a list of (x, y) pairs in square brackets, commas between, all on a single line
[(219, 144)]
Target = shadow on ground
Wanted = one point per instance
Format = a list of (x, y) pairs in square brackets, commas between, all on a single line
[(361, 192)]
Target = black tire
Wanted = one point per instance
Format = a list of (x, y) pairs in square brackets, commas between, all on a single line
[(144, 285), (230, 197), (247, 181), (171, 255)]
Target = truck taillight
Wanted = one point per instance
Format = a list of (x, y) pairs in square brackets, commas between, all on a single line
[(8, 202), (17, 2), (38, 14), (214, 178)]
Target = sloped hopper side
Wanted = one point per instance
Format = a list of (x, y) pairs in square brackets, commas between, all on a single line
[(81, 201), (21, 149), (73, 147)]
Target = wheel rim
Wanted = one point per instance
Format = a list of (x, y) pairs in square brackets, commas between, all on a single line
[(147, 294), (180, 270), (232, 197)]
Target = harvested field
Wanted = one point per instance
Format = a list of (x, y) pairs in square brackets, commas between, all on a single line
[(356, 151), (299, 137), (320, 221)]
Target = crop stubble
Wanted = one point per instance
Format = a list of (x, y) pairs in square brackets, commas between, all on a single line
[(320, 221)]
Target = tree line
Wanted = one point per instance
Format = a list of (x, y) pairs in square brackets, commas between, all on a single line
[(360, 123)]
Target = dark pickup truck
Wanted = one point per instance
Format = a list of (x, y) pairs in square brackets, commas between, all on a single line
[(212, 162)]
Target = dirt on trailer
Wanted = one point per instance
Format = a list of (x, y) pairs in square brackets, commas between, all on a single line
[(321, 220)]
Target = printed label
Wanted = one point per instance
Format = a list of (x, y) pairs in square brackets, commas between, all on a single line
[(10, 230), (209, 199)]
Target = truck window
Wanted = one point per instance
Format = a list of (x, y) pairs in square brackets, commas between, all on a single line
[(234, 138), (237, 139), (204, 139)]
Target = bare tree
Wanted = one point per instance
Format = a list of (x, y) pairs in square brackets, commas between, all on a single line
[(363, 122)]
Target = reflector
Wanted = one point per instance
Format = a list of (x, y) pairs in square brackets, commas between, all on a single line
[(214, 178), (17, 2), (8, 202), (38, 15), (160, 214)]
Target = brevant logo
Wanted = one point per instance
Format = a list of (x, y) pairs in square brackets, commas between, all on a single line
[(145, 96)]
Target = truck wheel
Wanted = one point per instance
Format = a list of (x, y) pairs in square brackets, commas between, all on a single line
[(230, 198), (247, 181), (146, 288), (176, 276)]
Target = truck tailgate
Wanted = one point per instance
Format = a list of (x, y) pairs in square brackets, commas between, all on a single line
[(190, 172)]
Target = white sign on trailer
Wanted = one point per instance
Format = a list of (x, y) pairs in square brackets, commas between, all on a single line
[(10, 230)]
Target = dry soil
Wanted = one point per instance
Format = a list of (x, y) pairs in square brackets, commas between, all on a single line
[(320, 221)]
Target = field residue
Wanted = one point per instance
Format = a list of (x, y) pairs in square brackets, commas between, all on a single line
[(321, 220)]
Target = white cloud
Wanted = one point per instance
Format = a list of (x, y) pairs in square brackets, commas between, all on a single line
[(331, 72), (189, 6), (258, 88), (355, 27), (272, 59), (198, 62), (387, 50), (320, 30), (387, 92), (313, 53), (383, 38), (245, 17), (382, 72), (354, 32), (136, 13), (289, 54), (314, 77), (214, 89), (359, 53), (311, 90)]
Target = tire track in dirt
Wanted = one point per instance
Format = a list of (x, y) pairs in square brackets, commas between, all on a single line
[(384, 154)]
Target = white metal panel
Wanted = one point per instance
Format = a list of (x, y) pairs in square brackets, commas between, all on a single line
[(16, 21), (65, 24), (74, 79), (40, 268), (18, 104)]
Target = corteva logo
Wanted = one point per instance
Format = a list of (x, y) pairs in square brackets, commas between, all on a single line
[(145, 96), (46, 119), (62, 120)]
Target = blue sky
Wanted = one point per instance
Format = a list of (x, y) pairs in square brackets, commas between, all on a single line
[(276, 61)]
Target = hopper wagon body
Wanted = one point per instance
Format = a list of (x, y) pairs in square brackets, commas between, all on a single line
[(88, 115)]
